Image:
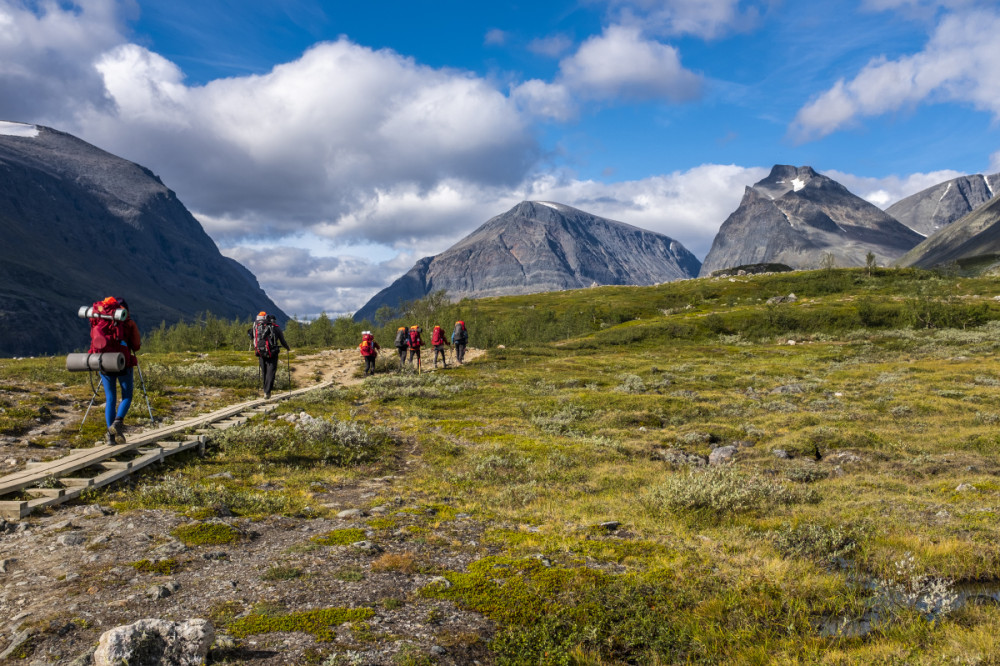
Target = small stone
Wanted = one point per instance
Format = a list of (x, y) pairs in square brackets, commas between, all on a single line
[(367, 547), (19, 640), (781, 453), (61, 525), (156, 641), (158, 592), (438, 650), (350, 514), (965, 488), (5, 565), (722, 455), (72, 539), (610, 525)]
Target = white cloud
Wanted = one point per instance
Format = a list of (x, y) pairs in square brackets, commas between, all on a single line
[(552, 46), (622, 64), (958, 65), (995, 162), (707, 19), (495, 37), (47, 51), (883, 192), (545, 100)]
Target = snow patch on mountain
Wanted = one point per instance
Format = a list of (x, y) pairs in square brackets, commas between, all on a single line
[(8, 128)]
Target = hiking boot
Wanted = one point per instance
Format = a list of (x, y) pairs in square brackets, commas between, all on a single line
[(110, 437), (267, 396), (118, 427)]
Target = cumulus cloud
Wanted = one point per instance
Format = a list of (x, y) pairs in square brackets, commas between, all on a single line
[(47, 51), (622, 64), (958, 64), (552, 46)]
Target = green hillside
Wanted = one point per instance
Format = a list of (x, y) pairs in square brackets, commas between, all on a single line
[(855, 521)]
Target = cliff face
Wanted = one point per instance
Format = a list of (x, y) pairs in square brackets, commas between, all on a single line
[(975, 234), (933, 209), (797, 217), (541, 246), (81, 224)]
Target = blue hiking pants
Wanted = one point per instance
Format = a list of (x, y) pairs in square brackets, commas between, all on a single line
[(111, 395)]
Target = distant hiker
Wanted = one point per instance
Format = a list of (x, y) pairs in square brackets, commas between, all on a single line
[(439, 341), (460, 338), (414, 342), (109, 335), (369, 351), (402, 344), (267, 340)]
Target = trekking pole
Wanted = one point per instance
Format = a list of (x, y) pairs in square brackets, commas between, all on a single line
[(92, 398), (288, 366), (142, 381)]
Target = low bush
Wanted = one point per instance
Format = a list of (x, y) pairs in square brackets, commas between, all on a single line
[(719, 492)]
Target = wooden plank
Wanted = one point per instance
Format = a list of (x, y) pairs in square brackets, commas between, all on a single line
[(76, 482), (14, 510), (46, 492)]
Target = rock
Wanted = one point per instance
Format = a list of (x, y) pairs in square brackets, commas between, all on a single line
[(367, 547), (782, 454), (841, 457), (965, 488), (72, 539), (439, 581), (19, 640), (158, 592), (350, 514), (5, 565), (152, 641), (610, 525), (722, 455), (679, 457), (438, 650)]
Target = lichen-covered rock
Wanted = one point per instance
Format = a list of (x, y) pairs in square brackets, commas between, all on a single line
[(722, 455), (153, 642)]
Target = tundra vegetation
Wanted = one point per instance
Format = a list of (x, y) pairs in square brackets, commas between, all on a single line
[(691, 472)]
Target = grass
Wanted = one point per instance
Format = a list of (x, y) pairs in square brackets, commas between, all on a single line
[(884, 405)]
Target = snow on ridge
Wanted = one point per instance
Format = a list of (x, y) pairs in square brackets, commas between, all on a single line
[(798, 184), (987, 181), (946, 190), (8, 128), (554, 206)]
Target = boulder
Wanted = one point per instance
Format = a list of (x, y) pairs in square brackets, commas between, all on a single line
[(153, 642)]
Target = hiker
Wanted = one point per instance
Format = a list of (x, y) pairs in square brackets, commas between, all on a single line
[(267, 340), (460, 338), (369, 351), (402, 342), (414, 342), (438, 341), (108, 335)]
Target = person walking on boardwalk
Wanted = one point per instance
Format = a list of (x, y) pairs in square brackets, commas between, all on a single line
[(415, 342), (369, 351), (438, 341), (460, 338), (111, 333), (402, 344), (267, 341)]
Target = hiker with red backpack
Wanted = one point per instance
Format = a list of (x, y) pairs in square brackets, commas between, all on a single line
[(369, 351), (460, 338), (266, 341), (112, 330), (438, 341), (414, 342)]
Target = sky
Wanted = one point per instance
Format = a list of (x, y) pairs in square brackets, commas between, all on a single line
[(328, 145)]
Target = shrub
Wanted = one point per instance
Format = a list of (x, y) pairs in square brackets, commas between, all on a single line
[(716, 492), (207, 534), (343, 537), (817, 542)]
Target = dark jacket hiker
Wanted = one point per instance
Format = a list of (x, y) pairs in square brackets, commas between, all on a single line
[(266, 341)]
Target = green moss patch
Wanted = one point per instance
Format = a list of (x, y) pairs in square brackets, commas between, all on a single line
[(162, 567), (207, 534), (343, 537), (318, 623)]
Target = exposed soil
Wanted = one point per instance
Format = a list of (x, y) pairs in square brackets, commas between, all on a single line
[(70, 575)]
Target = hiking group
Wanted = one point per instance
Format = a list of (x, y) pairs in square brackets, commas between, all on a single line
[(408, 343)]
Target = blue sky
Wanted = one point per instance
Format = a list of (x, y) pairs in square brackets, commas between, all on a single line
[(328, 145)]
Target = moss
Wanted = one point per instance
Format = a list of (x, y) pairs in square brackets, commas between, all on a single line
[(344, 537), (207, 534), (548, 614), (161, 567), (320, 624), (382, 523), (281, 572)]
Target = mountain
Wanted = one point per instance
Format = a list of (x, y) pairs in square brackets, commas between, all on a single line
[(936, 207), (80, 224), (974, 235), (540, 246), (798, 217)]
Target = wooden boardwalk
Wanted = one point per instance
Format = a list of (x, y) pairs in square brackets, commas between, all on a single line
[(53, 482)]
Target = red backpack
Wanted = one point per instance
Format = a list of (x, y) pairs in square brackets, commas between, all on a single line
[(367, 345), (106, 329), (415, 340)]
